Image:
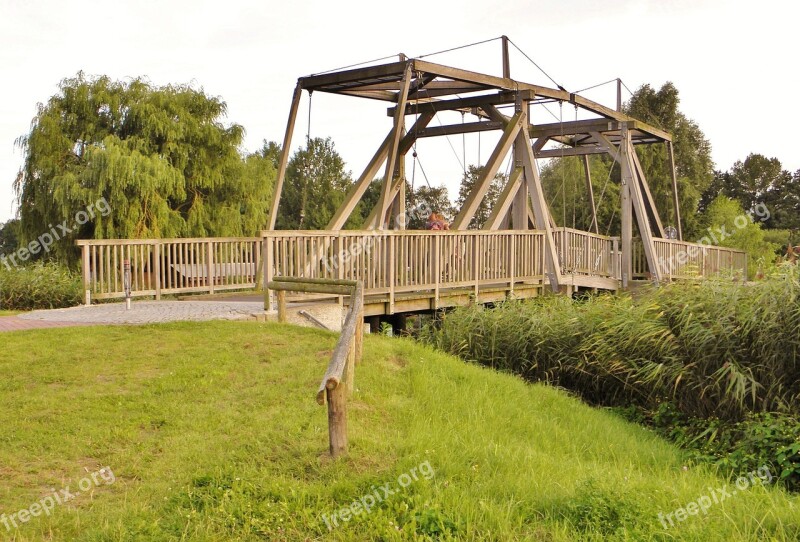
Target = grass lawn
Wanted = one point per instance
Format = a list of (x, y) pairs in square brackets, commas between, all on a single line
[(210, 432), (9, 313)]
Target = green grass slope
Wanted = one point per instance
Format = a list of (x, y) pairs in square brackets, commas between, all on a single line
[(210, 432)]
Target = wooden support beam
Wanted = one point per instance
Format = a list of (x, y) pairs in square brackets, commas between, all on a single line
[(590, 191), (399, 118), (675, 200), (348, 78), (358, 189), (371, 221), (474, 198), (503, 204), (468, 102), (650, 203), (506, 63), (496, 115), (630, 175), (522, 145), (570, 151), (466, 128), (284, 159), (542, 218)]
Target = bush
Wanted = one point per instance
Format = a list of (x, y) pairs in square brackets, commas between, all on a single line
[(39, 286)]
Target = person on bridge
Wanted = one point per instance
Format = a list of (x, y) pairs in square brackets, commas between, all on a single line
[(436, 222)]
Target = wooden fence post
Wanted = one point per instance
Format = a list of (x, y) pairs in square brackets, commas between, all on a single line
[(210, 266), (281, 306), (157, 267), (87, 284), (337, 420)]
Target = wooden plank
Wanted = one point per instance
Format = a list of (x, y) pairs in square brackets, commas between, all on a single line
[(474, 198)]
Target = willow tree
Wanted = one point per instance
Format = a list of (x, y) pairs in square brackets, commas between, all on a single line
[(161, 157)]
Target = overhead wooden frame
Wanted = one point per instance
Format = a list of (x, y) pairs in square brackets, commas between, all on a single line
[(423, 89)]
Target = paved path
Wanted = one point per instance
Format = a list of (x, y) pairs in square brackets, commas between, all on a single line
[(142, 312)]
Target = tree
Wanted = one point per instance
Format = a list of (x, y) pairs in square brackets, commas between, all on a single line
[(693, 164), (468, 182), (759, 180), (9, 237), (727, 224), (564, 185), (160, 156), (425, 200), (315, 185)]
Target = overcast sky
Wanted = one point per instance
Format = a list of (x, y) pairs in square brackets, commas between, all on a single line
[(734, 62)]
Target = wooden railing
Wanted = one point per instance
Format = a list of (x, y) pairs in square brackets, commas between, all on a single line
[(395, 262), (169, 266), (586, 253), (338, 381), (684, 260)]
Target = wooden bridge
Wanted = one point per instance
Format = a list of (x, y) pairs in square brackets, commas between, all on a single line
[(520, 249), (402, 271)]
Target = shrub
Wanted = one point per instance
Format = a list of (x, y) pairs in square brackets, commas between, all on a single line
[(39, 286)]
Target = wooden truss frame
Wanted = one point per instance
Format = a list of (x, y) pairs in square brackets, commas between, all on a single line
[(422, 89)]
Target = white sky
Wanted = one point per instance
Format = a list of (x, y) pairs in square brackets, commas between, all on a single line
[(732, 62)]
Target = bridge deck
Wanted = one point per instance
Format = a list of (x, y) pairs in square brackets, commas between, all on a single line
[(402, 271)]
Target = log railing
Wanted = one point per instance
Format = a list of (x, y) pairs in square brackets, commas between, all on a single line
[(169, 266), (338, 381)]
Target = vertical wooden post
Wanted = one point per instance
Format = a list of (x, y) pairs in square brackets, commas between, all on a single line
[(615, 271), (619, 94), (337, 420), (590, 190), (210, 266), (437, 269), (281, 306), (87, 283), (475, 263), (513, 261), (626, 269), (268, 257), (675, 200), (284, 160), (391, 160), (392, 264), (157, 265), (506, 64)]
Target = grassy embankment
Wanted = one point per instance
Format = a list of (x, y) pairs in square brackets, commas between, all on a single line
[(212, 433)]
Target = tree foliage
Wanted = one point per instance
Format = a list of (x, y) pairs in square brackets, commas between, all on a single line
[(315, 185), (727, 224), (160, 156), (564, 179), (468, 182), (9, 237), (759, 180), (693, 164), (566, 193)]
